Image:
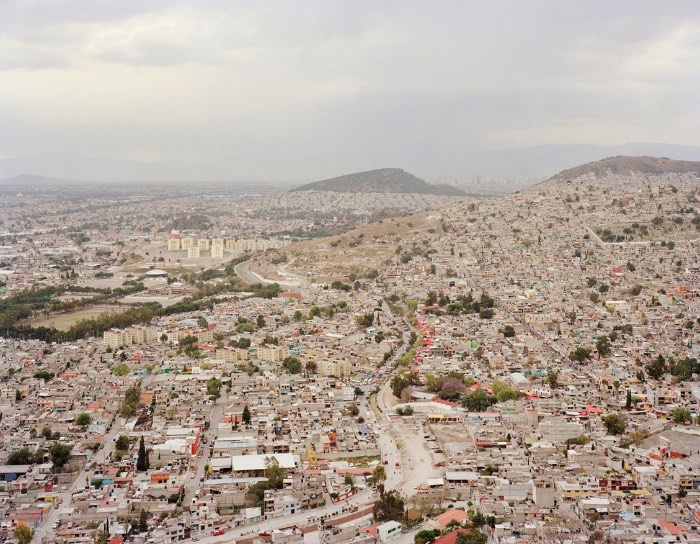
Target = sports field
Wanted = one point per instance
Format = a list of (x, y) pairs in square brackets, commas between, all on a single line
[(63, 322)]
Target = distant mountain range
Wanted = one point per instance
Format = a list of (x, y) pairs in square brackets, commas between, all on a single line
[(30, 179), (384, 180), (537, 162)]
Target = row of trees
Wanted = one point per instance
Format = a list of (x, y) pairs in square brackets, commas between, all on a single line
[(616, 424), (294, 366), (58, 452), (682, 369), (464, 304), (27, 302)]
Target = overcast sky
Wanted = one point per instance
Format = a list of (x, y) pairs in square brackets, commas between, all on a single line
[(305, 89)]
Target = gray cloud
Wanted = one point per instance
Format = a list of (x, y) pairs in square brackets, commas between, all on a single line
[(306, 89)]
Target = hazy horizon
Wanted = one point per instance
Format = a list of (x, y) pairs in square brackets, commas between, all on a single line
[(309, 90)]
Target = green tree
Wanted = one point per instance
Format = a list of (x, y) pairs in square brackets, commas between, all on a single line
[(478, 520), (122, 443), (143, 521), (684, 369), (603, 346), (120, 369), (378, 474), (681, 415), (23, 534), (142, 459), (628, 401), (426, 536), (60, 453), (275, 480), (83, 420), (471, 537), (202, 321), (657, 368), (214, 388), (274, 473), (486, 313), (22, 456), (615, 423), (246, 415), (311, 367), (553, 379), (580, 355), (637, 437), (260, 321), (390, 506), (242, 343), (46, 432), (292, 365), (132, 399), (508, 331), (398, 384), (39, 456), (504, 392), (245, 327), (269, 339), (478, 401), (364, 321)]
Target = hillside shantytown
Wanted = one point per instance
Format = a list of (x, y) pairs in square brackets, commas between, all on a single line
[(190, 366)]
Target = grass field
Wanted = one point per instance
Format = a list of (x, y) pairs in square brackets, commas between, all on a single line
[(63, 322)]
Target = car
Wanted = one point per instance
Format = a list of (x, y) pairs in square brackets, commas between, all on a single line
[(218, 532)]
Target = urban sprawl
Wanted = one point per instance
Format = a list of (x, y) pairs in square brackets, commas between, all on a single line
[(316, 367)]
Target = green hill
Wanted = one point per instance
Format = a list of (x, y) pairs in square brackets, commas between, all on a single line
[(625, 165), (384, 180)]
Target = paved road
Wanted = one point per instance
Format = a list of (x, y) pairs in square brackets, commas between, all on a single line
[(84, 476), (243, 271), (247, 275), (46, 528), (402, 478), (301, 519), (194, 483), (405, 443)]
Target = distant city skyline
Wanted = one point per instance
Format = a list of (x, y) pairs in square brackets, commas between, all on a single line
[(307, 90)]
